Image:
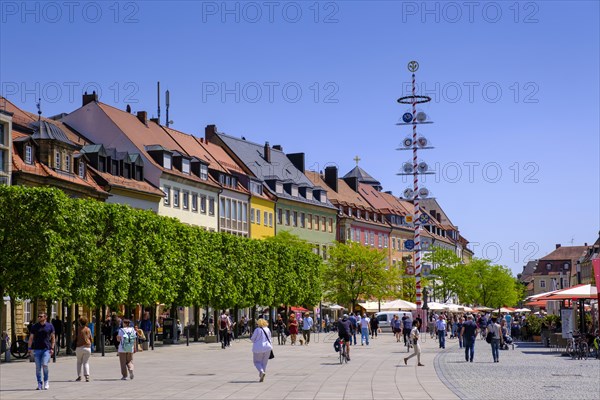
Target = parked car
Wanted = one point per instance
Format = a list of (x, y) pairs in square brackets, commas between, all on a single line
[(385, 317)]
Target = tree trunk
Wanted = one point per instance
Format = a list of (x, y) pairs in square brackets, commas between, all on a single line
[(35, 308), (98, 329), (1, 306), (196, 322), (49, 309), (68, 329), (13, 323), (235, 319), (253, 319)]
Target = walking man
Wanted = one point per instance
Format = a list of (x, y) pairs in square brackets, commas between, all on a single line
[(146, 327), (307, 324), (469, 334), (414, 338), (353, 321), (440, 326), (41, 343), (406, 329), (365, 327)]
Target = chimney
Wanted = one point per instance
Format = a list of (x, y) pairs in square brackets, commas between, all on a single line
[(210, 133), (389, 192), (557, 245), (143, 117), (331, 177), (352, 182), (585, 244), (155, 120), (128, 109), (298, 160), (267, 152), (278, 147), (88, 98)]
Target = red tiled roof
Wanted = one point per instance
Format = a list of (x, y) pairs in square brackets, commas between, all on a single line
[(148, 134), (129, 184), (566, 253), (344, 196)]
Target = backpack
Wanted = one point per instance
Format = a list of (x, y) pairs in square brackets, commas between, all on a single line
[(336, 345), (128, 340)]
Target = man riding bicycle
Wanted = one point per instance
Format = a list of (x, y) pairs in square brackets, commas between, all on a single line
[(344, 333)]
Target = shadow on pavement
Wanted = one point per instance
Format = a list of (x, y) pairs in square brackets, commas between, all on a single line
[(244, 382)]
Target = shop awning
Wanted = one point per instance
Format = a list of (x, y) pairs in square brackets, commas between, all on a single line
[(298, 309)]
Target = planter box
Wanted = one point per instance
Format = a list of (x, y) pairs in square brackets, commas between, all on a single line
[(210, 339), (537, 338)]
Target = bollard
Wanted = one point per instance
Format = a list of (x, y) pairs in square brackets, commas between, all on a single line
[(187, 336), (102, 343)]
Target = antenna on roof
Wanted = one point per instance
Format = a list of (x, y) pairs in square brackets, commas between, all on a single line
[(158, 99), (168, 103), (39, 107)]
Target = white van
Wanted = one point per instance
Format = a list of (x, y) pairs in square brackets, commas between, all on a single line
[(385, 317)]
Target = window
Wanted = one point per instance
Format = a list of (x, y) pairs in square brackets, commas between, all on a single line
[(265, 217), (372, 239), (175, 197), (167, 161), (167, 191), (203, 204), (309, 221), (252, 215), (256, 188), (2, 134), (81, 167), (357, 213), (211, 206), (245, 216), (349, 234), (68, 163), (2, 167), (316, 222), (393, 243), (27, 311), (287, 217), (186, 200), (28, 155), (101, 161), (323, 224), (258, 217), (195, 202), (127, 171), (366, 235), (330, 225), (279, 216), (203, 172), (302, 220), (185, 166), (385, 241), (114, 167), (324, 252), (295, 218), (57, 160), (367, 215), (542, 283), (271, 220), (234, 211), (379, 240)]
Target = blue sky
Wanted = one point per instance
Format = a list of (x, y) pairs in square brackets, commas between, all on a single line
[(515, 90)]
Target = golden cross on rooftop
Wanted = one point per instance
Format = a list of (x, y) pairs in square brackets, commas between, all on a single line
[(357, 159)]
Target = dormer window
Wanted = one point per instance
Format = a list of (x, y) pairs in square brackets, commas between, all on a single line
[(127, 170), (167, 161), (28, 154), (278, 187), (57, 160), (367, 215), (81, 169), (185, 166), (256, 188), (203, 172), (68, 163)]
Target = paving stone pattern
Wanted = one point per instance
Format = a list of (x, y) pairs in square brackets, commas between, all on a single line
[(530, 371)]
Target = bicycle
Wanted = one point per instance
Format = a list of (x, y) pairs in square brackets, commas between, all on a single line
[(19, 349), (577, 347), (343, 351)]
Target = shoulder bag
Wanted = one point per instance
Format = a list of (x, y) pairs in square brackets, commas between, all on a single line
[(271, 356)]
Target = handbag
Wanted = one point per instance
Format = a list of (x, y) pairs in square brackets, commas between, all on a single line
[(489, 337), (272, 355)]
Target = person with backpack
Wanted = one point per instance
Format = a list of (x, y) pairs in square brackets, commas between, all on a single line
[(127, 339), (224, 327)]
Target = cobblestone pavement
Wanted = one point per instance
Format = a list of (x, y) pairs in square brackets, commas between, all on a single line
[(530, 371)]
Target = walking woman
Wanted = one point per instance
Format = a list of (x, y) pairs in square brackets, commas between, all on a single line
[(396, 328), (494, 329), (414, 338), (261, 347), (126, 338), (280, 328), (83, 350), (293, 328)]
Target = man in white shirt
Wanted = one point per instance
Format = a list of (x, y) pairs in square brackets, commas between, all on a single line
[(365, 329), (440, 326)]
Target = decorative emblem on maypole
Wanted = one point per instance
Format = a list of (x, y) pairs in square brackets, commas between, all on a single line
[(414, 169)]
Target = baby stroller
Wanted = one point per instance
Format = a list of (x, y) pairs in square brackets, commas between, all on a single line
[(508, 341)]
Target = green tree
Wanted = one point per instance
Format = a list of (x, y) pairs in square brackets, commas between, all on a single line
[(353, 272), (30, 222), (490, 285), (447, 278)]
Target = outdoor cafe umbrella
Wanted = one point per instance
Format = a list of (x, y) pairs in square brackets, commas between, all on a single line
[(523, 310), (575, 292), (399, 305), (436, 306)]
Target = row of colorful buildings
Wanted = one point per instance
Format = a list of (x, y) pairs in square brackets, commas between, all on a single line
[(216, 181)]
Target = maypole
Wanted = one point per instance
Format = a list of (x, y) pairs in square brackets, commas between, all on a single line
[(415, 169)]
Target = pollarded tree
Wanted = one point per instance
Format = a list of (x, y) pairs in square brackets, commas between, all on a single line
[(354, 271), (30, 222)]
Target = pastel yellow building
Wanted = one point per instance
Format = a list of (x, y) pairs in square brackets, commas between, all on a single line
[(262, 217)]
